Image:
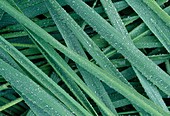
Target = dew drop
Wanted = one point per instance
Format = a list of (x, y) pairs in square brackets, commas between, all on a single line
[(105, 8), (46, 106)]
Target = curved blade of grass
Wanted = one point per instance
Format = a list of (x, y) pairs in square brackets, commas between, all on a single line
[(116, 84), (147, 42), (72, 42), (7, 58), (13, 110), (138, 31), (154, 20), (158, 10), (114, 17), (37, 111), (43, 78), (70, 83), (10, 104), (71, 33), (91, 47), (71, 73), (157, 59), (123, 45), (120, 5), (4, 86), (20, 106), (142, 28), (151, 90), (116, 21), (62, 69), (27, 87)]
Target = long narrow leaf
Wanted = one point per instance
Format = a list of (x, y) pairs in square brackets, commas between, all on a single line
[(62, 70), (151, 90), (123, 45), (116, 84), (71, 84), (73, 75), (118, 24), (42, 78), (27, 87), (72, 42), (151, 19)]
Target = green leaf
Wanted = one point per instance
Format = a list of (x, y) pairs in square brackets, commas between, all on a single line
[(151, 90), (159, 11), (73, 76), (118, 24), (153, 19), (62, 69), (147, 42), (41, 77), (123, 45), (27, 87), (71, 39), (103, 75), (10, 104)]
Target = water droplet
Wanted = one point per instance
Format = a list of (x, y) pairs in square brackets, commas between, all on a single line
[(46, 106), (105, 8)]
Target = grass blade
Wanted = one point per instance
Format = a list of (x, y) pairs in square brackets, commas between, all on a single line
[(103, 75), (63, 70), (151, 90), (114, 17), (158, 10), (27, 87), (153, 19), (10, 104), (118, 83), (72, 42), (35, 109), (42, 78), (75, 78), (123, 46), (119, 25), (147, 42)]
